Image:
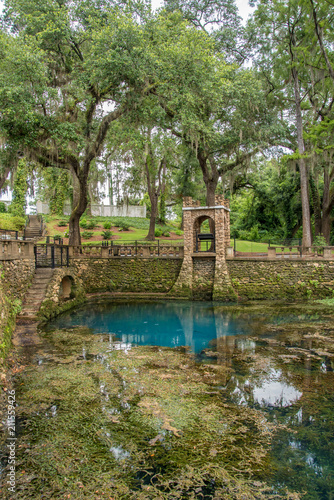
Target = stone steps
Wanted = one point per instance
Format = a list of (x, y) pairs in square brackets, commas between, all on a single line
[(33, 230), (35, 295)]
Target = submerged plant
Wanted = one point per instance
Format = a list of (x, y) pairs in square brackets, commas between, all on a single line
[(142, 423), (101, 419)]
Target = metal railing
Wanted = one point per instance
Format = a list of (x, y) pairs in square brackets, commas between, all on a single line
[(48, 255), (129, 249), (11, 234), (285, 250)]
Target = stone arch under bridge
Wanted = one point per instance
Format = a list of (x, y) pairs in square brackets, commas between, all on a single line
[(64, 286), (212, 254)]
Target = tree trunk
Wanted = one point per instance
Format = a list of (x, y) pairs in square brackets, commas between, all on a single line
[(316, 206), (326, 226), (210, 176), (307, 234), (211, 186), (76, 189), (89, 201), (162, 209), (154, 212), (3, 177), (78, 210), (152, 176), (327, 205)]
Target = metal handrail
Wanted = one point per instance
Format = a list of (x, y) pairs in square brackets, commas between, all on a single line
[(8, 232)]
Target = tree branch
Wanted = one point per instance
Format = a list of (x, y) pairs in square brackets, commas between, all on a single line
[(238, 161), (95, 149), (320, 40)]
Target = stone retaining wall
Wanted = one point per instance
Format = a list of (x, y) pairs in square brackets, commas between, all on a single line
[(203, 277), (127, 274), (15, 279), (282, 279), (249, 279), (16, 276)]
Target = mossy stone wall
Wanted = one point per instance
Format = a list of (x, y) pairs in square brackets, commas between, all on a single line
[(127, 275), (203, 277), (251, 279), (15, 279), (16, 276), (282, 279), (55, 302)]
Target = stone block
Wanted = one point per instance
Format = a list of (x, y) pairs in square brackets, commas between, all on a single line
[(230, 252), (271, 252), (328, 253)]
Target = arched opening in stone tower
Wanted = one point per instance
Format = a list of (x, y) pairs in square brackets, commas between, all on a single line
[(204, 234), (66, 287)]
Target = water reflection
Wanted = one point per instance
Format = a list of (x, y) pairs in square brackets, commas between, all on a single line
[(171, 324), (275, 392), (282, 367)]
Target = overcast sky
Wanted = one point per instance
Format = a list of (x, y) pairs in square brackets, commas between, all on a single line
[(244, 8)]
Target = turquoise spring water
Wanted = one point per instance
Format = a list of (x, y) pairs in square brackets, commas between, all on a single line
[(170, 324)]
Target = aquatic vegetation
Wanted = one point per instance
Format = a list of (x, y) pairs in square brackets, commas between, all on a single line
[(135, 424), (249, 417)]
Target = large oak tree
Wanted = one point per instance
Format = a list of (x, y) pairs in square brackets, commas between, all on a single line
[(68, 70)]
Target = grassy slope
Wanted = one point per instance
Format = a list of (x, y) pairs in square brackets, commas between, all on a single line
[(137, 231)]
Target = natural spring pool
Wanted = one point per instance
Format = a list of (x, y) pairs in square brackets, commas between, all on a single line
[(138, 400)]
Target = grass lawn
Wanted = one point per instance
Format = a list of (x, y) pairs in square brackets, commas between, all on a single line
[(138, 229), (250, 246)]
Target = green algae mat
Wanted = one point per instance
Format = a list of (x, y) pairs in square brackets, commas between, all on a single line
[(249, 417)]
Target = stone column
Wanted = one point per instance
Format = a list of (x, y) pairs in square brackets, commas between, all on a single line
[(328, 253), (222, 288), (230, 252), (104, 252), (183, 284), (271, 253)]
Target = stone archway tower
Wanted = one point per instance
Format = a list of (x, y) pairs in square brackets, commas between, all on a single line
[(193, 215)]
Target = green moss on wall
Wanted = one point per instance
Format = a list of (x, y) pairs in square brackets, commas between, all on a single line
[(15, 278), (282, 279), (49, 309), (127, 275), (203, 277), (251, 279)]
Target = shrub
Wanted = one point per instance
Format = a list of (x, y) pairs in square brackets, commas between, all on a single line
[(83, 223), (178, 232), (87, 235), (106, 234), (166, 233), (251, 235), (158, 232), (19, 222), (320, 241), (137, 222), (107, 225), (62, 223), (125, 226), (91, 224), (12, 222), (66, 234), (3, 208)]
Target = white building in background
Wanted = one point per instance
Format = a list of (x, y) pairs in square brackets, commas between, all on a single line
[(100, 210)]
